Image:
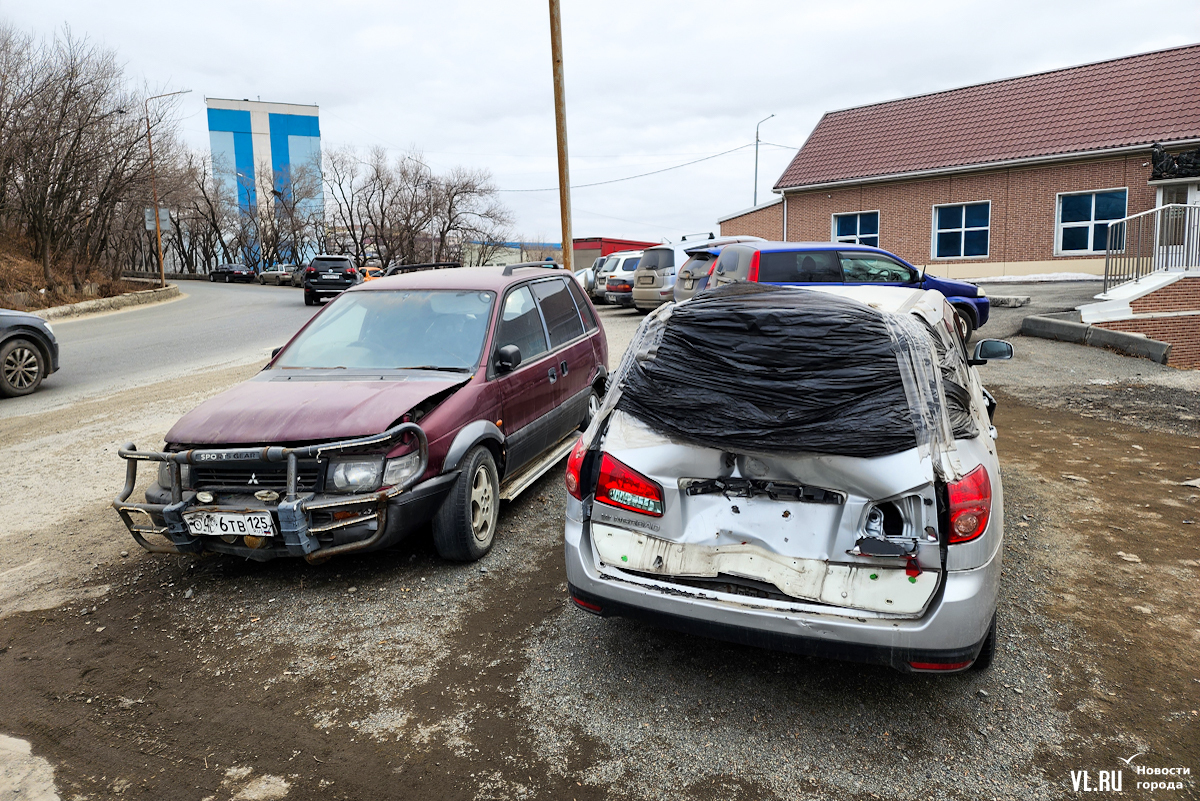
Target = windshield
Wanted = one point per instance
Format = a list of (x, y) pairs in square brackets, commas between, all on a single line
[(658, 259), (395, 329)]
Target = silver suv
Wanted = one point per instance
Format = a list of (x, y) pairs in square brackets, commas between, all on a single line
[(811, 470), (654, 281)]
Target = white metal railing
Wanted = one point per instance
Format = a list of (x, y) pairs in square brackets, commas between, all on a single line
[(1161, 239)]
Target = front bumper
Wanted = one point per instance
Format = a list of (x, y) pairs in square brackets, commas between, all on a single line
[(312, 525), (952, 629)]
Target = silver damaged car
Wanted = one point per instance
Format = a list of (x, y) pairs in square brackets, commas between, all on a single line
[(811, 470)]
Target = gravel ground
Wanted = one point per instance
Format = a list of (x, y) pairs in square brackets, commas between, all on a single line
[(400, 675)]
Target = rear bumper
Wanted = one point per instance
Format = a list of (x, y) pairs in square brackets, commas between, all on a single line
[(325, 291), (650, 298), (952, 630), (619, 298)]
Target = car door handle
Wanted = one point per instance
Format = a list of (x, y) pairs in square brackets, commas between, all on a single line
[(553, 375), (563, 367)]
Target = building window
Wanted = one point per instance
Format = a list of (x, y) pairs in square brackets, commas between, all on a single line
[(961, 231), (1083, 220), (857, 229)]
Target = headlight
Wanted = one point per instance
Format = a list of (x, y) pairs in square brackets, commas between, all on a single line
[(354, 475), (164, 475), (401, 469), (982, 294)]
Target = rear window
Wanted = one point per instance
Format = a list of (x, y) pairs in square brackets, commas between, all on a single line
[(730, 260), (330, 263), (700, 261), (562, 318), (657, 259), (814, 267)]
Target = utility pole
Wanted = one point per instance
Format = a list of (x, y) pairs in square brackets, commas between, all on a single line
[(760, 122), (162, 270), (560, 125)]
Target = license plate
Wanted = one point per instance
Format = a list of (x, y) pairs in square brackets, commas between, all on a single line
[(688, 284), (258, 524), (646, 280)]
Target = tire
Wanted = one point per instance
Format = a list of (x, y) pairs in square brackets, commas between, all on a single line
[(22, 368), (309, 300), (227, 279), (593, 408), (987, 654), (278, 280), (465, 527), (212, 278)]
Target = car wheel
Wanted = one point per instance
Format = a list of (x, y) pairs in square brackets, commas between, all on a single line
[(227, 279), (968, 322), (21, 368), (465, 527), (988, 653), (212, 278), (309, 300), (593, 408)]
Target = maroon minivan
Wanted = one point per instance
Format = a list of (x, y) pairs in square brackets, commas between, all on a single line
[(430, 396)]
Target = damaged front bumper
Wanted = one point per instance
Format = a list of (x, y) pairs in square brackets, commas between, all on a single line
[(313, 525)]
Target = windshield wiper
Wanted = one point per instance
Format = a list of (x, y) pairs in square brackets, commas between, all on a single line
[(437, 367)]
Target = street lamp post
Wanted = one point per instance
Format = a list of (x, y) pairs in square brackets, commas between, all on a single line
[(760, 122), (162, 270)]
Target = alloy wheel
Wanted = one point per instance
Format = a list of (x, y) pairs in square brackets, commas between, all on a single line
[(483, 505), (21, 368)]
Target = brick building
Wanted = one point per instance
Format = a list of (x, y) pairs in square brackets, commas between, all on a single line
[(1010, 177)]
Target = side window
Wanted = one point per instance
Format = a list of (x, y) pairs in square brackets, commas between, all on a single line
[(871, 268), (521, 325), (562, 318), (813, 267), (589, 321)]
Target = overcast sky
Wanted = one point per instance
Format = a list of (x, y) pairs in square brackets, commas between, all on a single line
[(649, 84)]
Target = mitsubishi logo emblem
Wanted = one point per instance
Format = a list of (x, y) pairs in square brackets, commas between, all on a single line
[(253, 479)]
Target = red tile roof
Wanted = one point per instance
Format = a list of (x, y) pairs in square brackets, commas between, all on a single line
[(1137, 100)]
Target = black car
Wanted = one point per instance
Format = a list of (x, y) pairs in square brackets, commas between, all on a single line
[(232, 272), (28, 352), (327, 276)]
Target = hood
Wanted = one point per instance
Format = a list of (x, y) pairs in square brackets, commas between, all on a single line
[(278, 407), (951, 288), (24, 317)]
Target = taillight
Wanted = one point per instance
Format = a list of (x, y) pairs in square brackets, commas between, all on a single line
[(753, 274), (574, 464), (351, 271), (621, 485), (586, 606), (310, 271), (712, 267), (970, 505)]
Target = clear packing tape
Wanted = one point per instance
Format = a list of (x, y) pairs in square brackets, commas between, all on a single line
[(749, 367)]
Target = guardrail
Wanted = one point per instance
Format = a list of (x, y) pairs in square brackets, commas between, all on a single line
[(1158, 240)]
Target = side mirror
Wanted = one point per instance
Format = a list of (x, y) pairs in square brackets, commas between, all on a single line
[(275, 352), (508, 357), (986, 349)]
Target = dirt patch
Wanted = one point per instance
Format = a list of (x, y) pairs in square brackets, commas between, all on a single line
[(23, 284), (1121, 559)]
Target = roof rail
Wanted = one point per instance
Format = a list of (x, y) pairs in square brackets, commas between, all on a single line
[(508, 268), (412, 268)]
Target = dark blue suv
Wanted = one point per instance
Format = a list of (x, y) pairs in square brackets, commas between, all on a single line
[(806, 263)]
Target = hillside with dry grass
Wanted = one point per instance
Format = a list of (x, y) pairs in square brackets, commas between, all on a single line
[(23, 287)]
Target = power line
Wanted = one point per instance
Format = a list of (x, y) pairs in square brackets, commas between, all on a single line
[(640, 175)]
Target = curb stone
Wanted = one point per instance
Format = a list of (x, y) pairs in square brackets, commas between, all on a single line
[(139, 298), (1067, 330)]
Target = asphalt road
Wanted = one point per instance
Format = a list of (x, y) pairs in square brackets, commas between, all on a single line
[(212, 325)]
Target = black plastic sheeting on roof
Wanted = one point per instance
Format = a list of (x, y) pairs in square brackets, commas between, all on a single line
[(749, 367)]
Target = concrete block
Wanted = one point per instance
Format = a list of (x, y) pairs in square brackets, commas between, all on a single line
[(1130, 344), (1050, 328), (1009, 301)]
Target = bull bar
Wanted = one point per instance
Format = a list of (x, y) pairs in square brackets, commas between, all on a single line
[(292, 510)]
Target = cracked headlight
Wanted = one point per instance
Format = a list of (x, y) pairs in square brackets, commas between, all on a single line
[(164, 475), (354, 475), (401, 469)]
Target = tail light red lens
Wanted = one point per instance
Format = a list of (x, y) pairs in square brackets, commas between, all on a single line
[(970, 505), (574, 464), (712, 267), (753, 274), (939, 665), (310, 271), (352, 271), (622, 486)]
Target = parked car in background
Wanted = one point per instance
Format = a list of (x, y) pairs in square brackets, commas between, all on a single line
[(278, 275), (692, 277), (810, 263), (424, 397), (715, 499), (230, 273), (586, 278), (618, 277), (654, 281), (371, 272), (327, 275), (28, 352)]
